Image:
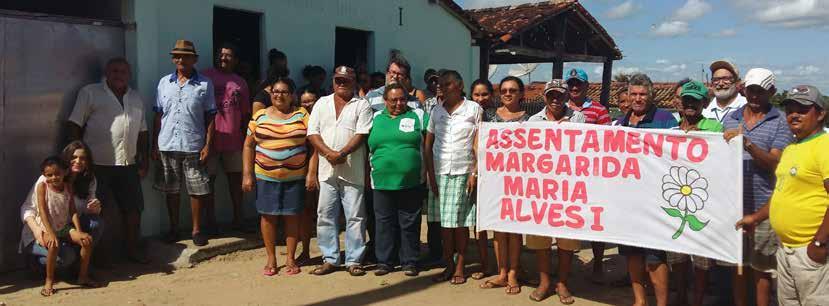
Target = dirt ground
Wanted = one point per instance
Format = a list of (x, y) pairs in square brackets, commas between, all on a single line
[(236, 279)]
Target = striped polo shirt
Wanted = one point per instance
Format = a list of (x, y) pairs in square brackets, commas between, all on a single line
[(772, 132), (594, 112)]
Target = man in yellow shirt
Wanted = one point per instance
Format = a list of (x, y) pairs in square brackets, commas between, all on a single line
[(798, 207)]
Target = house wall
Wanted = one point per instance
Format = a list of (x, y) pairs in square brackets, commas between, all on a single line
[(430, 37)]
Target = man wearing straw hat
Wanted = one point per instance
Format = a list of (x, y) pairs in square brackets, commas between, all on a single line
[(185, 107)]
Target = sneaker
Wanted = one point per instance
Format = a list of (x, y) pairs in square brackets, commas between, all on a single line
[(199, 239), (410, 271), (382, 270)]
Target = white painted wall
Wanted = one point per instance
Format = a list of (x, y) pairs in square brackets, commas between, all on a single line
[(304, 29)]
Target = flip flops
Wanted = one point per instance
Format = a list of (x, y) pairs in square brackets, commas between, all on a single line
[(47, 292), (292, 270), (326, 268), (268, 271)]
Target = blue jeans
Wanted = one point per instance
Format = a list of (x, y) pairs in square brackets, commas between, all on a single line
[(67, 251), (334, 193)]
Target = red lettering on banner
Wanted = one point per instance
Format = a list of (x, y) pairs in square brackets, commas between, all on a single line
[(513, 186), (572, 135), (579, 192), (506, 209), (633, 143), (512, 163), (614, 141), (597, 218), (519, 211), (520, 142), (527, 162), (506, 142), (631, 169), (545, 163), (607, 171), (532, 188), (582, 165), (495, 161), (554, 214), (539, 211), (565, 190), (591, 141), (653, 143), (675, 141), (533, 139), (492, 139), (576, 221), (563, 165), (550, 188), (553, 138), (703, 153)]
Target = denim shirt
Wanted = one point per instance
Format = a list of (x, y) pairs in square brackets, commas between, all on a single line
[(184, 109)]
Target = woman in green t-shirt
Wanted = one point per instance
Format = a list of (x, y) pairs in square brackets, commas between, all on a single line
[(395, 144)]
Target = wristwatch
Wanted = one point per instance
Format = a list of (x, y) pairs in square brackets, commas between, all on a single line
[(820, 244)]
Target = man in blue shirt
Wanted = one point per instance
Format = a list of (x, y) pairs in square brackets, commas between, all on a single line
[(185, 107)]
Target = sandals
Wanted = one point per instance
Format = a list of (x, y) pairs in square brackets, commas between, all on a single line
[(326, 268), (513, 290), (479, 275), (47, 293), (292, 270), (491, 285), (355, 270), (538, 297), (269, 271), (458, 280), (565, 299)]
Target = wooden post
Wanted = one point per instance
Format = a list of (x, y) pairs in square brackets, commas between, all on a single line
[(559, 45), (483, 61), (607, 74)]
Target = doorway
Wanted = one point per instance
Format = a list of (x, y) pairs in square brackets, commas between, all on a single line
[(351, 48), (242, 29)]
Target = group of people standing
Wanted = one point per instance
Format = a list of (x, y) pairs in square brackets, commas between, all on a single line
[(382, 156)]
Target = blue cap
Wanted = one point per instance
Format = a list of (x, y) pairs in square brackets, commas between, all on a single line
[(577, 73)]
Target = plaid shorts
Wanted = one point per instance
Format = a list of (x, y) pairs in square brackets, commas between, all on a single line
[(452, 208), (178, 165), (702, 263)]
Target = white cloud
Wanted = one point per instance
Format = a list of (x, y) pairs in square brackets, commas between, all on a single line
[(670, 29), (678, 24), (625, 9), (663, 61), (476, 4), (674, 69), (807, 70), (787, 14), (691, 10), (724, 33), (625, 70)]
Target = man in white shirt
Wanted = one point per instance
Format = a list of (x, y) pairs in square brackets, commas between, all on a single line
[(109, 117), (725, 78), (338, 128), (398, 71)]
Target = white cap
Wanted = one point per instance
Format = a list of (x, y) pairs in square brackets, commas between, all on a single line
[(761, 77)]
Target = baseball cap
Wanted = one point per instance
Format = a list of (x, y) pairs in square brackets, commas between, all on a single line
[(555, 84), (761, 77), (345, 72), (577, 73), (429, 74), (724, 64), (694, 89), (806, 95)]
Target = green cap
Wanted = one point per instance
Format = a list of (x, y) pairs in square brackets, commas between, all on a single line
[(694, 89), (806, 95)]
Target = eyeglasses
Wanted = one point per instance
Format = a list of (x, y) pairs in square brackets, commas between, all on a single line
[(280, 92), (342, 81), (724, 80)]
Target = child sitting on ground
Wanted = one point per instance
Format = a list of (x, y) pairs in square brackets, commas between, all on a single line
[(48, 228)]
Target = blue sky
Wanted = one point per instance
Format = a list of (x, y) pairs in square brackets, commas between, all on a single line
[(672, 39)]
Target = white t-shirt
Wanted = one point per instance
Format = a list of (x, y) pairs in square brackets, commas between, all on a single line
[(714, 112)]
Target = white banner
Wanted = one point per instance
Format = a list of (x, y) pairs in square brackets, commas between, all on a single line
[(659, 189)]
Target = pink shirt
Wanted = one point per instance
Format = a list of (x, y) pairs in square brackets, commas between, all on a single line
[(233, 104)]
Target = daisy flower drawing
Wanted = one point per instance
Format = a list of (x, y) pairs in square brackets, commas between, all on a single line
[(686, 192)]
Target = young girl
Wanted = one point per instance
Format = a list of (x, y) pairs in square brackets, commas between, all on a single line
[(49, 225), (84, 186)]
